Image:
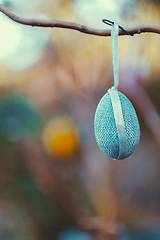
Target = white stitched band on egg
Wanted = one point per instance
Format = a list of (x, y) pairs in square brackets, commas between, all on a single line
[(118, 115)]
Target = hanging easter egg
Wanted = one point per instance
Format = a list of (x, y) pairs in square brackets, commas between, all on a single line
[(60, 137), (116, 125)]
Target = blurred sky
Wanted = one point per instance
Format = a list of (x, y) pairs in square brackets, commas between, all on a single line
[(29, 43), (94, 11)]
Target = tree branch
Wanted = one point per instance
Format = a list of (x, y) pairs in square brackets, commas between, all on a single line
[(74, 26)]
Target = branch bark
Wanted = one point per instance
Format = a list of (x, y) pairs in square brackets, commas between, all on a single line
[(75, 26)]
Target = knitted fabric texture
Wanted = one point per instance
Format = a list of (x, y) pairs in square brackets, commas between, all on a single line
[(105, 126)]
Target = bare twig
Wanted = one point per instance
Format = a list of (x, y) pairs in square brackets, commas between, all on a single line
[(74, 26)]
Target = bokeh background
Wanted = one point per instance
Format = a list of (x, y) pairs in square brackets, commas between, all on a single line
[(54, 181)]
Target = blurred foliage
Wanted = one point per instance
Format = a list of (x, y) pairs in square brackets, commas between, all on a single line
[(46, 213), (151, 1), (17, 118)]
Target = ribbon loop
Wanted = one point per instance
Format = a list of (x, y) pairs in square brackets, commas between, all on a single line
[(115, 57)]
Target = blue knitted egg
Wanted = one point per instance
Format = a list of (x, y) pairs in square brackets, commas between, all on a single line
[(116, 125)]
